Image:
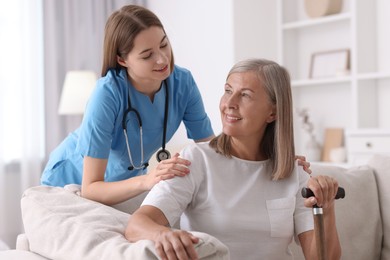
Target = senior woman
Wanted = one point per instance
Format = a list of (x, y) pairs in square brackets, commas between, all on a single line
[(244, 186)]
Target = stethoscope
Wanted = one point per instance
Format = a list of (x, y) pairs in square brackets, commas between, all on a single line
[(162, 154)]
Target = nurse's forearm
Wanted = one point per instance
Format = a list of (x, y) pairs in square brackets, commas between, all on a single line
[(111, 193), (95, 188), (145, 223)]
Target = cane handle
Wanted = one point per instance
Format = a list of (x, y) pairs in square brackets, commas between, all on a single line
[(306, 193)]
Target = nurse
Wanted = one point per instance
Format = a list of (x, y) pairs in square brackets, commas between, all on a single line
[(136, 107)]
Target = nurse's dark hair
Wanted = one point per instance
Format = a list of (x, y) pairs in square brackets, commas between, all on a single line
[(278, 140), (121, 29)]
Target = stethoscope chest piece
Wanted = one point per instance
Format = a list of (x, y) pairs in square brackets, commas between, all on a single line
[(163, 155)]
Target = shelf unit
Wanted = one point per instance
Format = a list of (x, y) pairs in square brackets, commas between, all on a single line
[(358, 100), (364, 143)]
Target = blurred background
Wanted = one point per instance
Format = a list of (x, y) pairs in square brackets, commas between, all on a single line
[(336, 51)]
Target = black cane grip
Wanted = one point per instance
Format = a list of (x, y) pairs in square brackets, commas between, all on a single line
[(306, 193)]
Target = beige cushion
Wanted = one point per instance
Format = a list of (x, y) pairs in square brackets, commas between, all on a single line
[(62, 225), (19, 255), (358, 216), (381, 166)]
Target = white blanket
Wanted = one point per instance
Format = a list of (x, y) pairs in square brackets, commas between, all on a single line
[(60, 224)]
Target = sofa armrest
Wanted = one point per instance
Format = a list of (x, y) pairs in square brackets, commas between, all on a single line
[(20, 255), (22, 242), (381, 166)]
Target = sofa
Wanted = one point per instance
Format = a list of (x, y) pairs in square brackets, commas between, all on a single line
[(59, 224), (363, 216)]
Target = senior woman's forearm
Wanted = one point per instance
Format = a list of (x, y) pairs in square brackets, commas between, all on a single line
[(145, 223), (331, 235)]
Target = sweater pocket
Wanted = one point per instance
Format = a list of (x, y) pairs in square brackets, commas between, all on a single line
[(280, 212)]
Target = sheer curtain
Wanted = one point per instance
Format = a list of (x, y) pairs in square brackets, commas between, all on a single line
[(21, 108), (74, 32), (40, 40)]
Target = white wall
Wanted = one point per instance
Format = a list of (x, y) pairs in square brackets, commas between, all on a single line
[(202, 39), (208, 37), (255, 34)]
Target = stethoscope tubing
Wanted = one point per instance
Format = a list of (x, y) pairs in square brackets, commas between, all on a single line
[(161, 154)]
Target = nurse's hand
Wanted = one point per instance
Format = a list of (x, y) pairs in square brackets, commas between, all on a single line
[(302, 161), (167, 169)]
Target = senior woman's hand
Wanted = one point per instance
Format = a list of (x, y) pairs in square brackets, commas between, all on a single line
[(177, 244), (324, 189)]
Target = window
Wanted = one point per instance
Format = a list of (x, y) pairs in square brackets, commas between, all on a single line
[(21, 79)]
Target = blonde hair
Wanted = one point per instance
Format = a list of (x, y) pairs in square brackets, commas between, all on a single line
[(278, 139), (121, 29)]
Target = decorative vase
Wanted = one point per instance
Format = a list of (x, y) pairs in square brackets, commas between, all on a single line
[(312, 150), (338, 155), (318, 8)]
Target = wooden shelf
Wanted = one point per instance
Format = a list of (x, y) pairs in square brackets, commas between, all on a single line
[(374, 75), (356, 100), (317, 21), (317, 82)]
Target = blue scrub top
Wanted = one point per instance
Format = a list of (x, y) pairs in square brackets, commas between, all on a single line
[(101, 134)]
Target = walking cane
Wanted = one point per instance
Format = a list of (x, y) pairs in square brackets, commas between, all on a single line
[(319, 231)]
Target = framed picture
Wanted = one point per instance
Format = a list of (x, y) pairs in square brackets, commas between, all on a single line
[(329, 64)]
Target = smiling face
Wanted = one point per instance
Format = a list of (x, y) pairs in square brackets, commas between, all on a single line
[(245, 107), (148, 63)]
